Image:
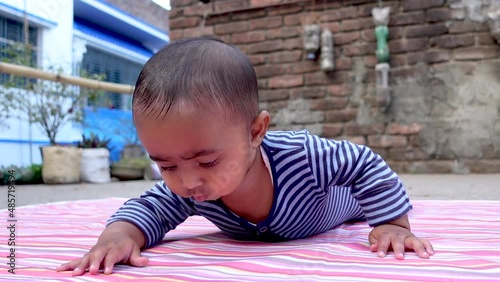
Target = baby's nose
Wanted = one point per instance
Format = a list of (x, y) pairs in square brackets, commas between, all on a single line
[(191, 181)]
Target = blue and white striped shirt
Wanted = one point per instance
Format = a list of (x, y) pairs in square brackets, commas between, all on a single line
[(319, 183)]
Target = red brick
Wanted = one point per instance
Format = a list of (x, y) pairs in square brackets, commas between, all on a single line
[(360, 140), (291, 20), (326, 5), (354, 2), (407, 154), (398, 60), (198, 31), (366, 23), (269, 70), (321, 78), (415, 58), (333, 27), (339, 14), (294, 43), (257, 59), (302, 67), (245, 15), (224, 6), (426, 30), (403, 129), (485, 38), (286, 9), (395, 32), (217, 19), (407, 19), (348, 25), (263, 83), (273, 95), (197, 10), (286, 81), (359, 49), (248, 37), (483, 166), (467, 26), (285, 57), (344, 115), (330, 103), (370, 61), (453, 41), (438, 15), (284, 32), (476, 53), (266, 23), (387, 141), (332, 129), (339, 90), (408, 45), (437, 56), (368, 35), (343, 63), (175, 13), (184, 22), (412, 5), (265, 47), (345, 38), (176, 34), (276, 105), (308, 92), (264, 3), (364, 129), (182, 3), (228, 28)]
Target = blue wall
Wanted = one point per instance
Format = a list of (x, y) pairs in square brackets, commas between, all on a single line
[(114, 124)]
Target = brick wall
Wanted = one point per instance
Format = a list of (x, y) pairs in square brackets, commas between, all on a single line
[(441, 113), (145, 10)]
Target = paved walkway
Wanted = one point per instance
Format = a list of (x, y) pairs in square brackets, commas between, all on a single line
[(436, 187)]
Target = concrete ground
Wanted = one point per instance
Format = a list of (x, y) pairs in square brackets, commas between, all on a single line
[(430, 187)]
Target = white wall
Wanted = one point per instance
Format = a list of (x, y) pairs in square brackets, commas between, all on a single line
[(56, 50)]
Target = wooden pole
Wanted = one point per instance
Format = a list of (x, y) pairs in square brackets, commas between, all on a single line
[(74, 80)]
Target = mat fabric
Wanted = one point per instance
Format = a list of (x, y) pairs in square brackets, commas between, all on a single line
[(465, 234)]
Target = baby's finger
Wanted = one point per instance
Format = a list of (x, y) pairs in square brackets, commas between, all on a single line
[(112, 257), (81, 267), (69, 265), (96, 260), (415, 244), (398, 246), (428, 246), (383, 246), (136, 259)]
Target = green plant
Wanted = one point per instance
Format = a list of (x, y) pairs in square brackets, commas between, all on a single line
[(93, 141), (48, 104)]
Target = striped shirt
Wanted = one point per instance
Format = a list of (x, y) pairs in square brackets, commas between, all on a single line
[(318, 184)]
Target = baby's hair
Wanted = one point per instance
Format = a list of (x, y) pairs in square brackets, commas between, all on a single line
[(204, 72)]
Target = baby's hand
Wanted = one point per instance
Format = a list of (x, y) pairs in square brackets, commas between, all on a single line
[(385, 237), (111, 248)]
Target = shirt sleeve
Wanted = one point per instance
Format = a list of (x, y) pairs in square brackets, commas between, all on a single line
[(376, 187), (155, 212)]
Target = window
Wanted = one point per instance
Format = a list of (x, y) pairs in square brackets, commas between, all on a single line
[(115, 69), (12, 48)]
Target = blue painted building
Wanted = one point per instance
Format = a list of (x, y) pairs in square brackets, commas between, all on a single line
[(90, 35)]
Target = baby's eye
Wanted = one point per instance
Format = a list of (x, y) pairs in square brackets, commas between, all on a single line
[(209, 164), (167, 168)]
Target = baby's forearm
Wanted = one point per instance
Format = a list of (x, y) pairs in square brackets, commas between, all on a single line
[(124, 228), (402, 221)]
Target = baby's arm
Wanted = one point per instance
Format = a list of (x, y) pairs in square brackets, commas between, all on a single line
[(139, 223), (377, 188)]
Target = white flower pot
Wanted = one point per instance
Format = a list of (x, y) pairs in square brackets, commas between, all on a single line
[(95, 165)]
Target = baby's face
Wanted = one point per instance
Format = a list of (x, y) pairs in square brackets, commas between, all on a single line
[(201, 155)]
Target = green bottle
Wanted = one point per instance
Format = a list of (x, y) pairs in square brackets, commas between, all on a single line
[(382, 52)]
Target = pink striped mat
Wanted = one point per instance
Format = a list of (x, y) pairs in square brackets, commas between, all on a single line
[(465, 234)]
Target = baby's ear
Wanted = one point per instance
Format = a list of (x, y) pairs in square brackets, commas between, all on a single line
[(259, 128)]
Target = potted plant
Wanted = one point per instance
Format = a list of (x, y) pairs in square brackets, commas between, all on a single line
[(129, 168), (95, 159)]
